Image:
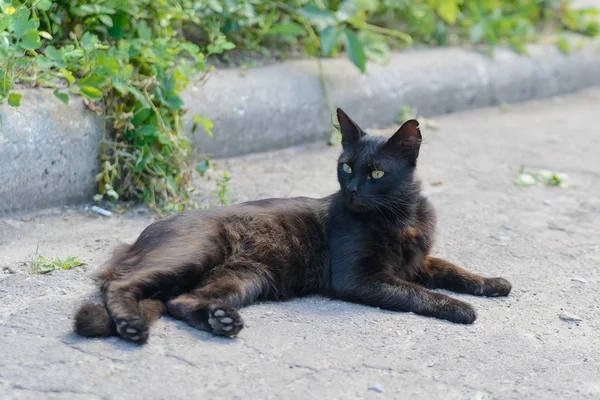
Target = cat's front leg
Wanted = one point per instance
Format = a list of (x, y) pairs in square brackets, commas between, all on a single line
[(442, 274), (394, 294)]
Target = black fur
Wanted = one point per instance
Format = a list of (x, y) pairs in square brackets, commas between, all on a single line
[(369, 243)]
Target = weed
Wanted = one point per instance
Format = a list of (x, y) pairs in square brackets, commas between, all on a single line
[(540, 178), (42, 265), (131, 60), (222, 188)]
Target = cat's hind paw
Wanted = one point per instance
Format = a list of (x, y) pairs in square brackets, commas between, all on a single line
[(225, 321), (134, 330)]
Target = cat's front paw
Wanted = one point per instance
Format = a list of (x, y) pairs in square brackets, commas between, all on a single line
[(135, 330), (458, 312), (225, 321), (495, 287)]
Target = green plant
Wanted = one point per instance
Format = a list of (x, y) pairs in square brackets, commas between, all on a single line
[(222, 189), (366, 29), (42, 265), (129, 61), (19, 35), (540, 178)]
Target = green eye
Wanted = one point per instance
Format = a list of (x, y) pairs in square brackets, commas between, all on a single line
[(347, 168), (377, 174)]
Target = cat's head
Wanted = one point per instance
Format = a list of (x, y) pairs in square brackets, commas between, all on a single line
[(375, 172)]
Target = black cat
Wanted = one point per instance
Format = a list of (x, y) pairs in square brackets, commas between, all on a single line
[(368, 243)]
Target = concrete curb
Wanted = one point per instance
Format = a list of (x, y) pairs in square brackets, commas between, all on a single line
[(48, 151), (283, 105)]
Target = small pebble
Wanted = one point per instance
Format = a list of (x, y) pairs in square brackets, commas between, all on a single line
[(501, 238), (377, 388), (8, 270), (101, 211), (565, 316), (578, 279)]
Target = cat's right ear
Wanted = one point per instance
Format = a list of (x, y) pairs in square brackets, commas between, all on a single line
[(351, 132), (406, 141)]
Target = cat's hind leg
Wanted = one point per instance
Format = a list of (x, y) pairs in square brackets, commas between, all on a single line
[(93, 319), (134, 303), (213, 306), (441, 274)]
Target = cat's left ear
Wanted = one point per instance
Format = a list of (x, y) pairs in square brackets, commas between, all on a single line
[(351, 132), (406, 141)]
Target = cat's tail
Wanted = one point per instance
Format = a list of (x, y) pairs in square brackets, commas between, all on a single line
[(93, 319)]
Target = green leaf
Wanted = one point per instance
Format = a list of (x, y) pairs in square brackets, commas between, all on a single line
[(448, 10), (68, 76), (317, 16), (43, 5), (45, 35), (441, 33), (174, 102), (215, 5), (347, 10), (139, 97), (563, 44), (376, 49), (203, 166), (22, 24), (106, 20), (5, 83), (127, 72), (147, 130), (476, 33), (31, 40), (14, 99), (4, 22), (119, 86), (206, 124), (92, 80), (366, 5), (91, 93), (355, 50), (61, 96), (329, 38), (287, 29), (120, 21), (525, 180), (144, 31)]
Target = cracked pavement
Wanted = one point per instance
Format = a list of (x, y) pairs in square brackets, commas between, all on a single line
[(545, 240)]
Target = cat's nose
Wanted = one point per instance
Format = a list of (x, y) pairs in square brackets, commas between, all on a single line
[(352, 188)]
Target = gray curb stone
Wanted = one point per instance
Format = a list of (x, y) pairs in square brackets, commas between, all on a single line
[(48, 151), (283, 105)]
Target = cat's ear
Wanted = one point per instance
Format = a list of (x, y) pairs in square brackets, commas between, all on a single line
[(351, 132), (406, 141)]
